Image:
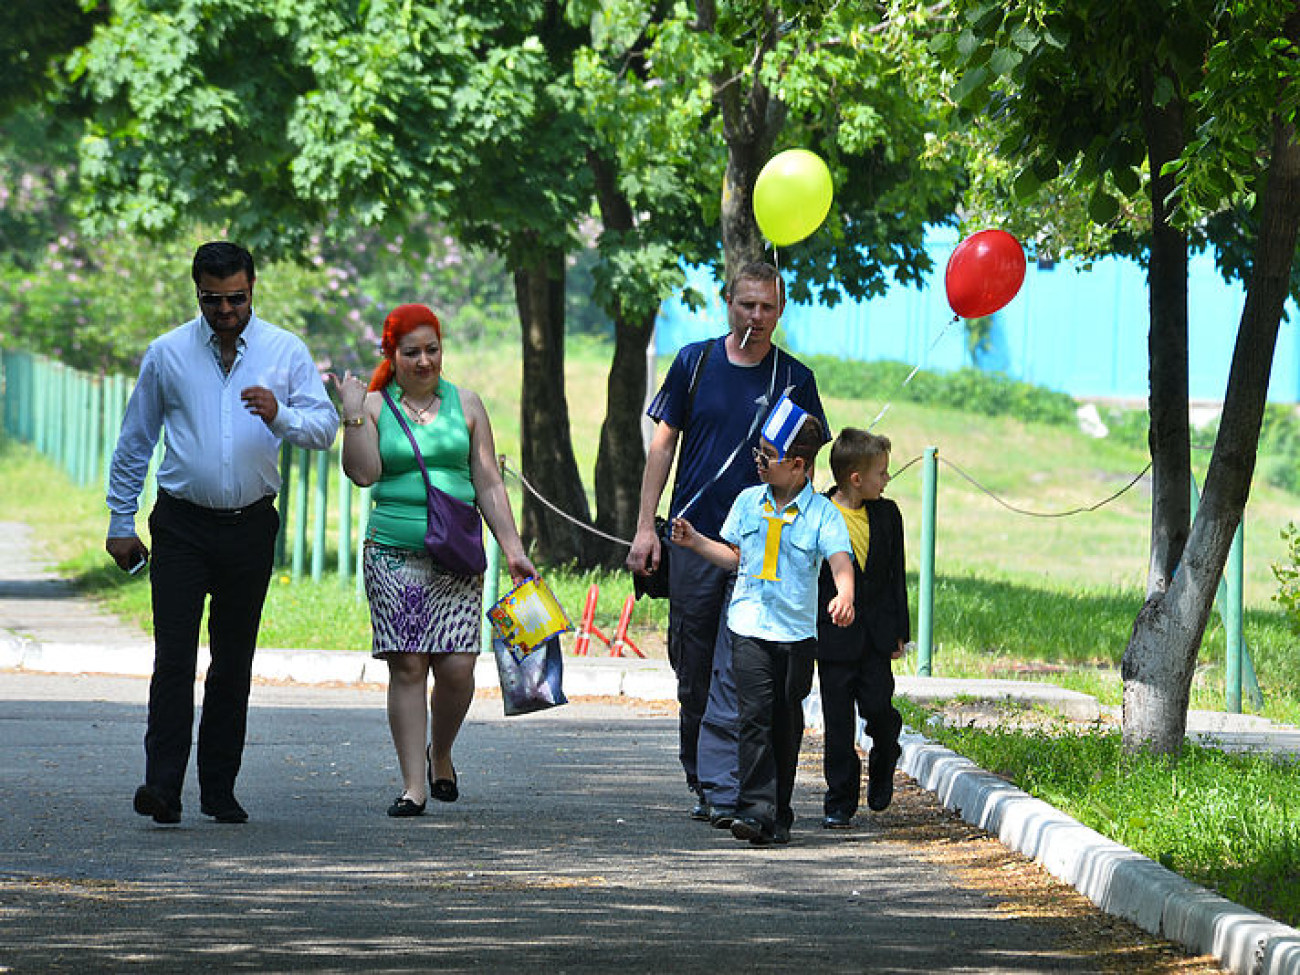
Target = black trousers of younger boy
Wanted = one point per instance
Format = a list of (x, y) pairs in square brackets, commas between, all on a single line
[(848, 689), (772, 679), (854, 671)]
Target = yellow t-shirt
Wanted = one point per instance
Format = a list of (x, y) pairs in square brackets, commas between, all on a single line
[(859, 531)]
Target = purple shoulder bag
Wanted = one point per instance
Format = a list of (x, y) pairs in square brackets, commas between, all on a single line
[(454, 537)]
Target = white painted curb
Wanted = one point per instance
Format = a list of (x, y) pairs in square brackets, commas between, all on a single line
[(1115, 878)]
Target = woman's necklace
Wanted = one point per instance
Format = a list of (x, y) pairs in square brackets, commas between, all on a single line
[(419, 413)]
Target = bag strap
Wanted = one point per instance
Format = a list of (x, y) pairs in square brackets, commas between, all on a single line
[(419, 455), (762, 404), (695, 384)]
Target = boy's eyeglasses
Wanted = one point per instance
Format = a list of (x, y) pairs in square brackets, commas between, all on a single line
[(764, 461), (213, 299)]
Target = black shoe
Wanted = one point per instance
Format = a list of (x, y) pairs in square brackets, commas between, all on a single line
[(224, 811), (701, 810), (722, 817), (445, 790), (153, 801), (748, 828), (404, 805), (780, 835), (838, 820), (880, 778)]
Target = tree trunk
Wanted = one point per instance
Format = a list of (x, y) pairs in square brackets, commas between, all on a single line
[(620, 460), (1168, 436), (1161, 656), (545, 437), (751, 121)]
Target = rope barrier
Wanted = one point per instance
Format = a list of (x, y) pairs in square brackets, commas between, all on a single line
[(506, 468), (1084, 509), (1022, 511)]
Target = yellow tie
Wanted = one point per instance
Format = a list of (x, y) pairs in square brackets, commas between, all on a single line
[(775, 525)]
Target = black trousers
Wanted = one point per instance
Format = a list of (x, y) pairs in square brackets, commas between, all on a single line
[(197, 553), (848, 689), (772, 679), (695, 610)]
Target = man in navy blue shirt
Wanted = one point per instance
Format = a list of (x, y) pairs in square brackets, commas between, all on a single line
[(736, 380)]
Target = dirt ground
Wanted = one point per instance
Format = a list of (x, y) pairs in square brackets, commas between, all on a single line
[(1026, 890), (981, 862)]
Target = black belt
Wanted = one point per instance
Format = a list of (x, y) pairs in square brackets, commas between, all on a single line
[(219, 514)]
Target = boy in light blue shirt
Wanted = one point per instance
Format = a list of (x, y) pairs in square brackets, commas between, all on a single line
[(776, 535)]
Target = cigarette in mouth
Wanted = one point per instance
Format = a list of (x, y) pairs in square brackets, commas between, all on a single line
[(746, 338)]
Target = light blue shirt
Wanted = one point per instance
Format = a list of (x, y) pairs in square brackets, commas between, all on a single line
[(784, 609), (216, 453)]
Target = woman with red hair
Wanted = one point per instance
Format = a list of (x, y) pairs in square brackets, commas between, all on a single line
[(425, 618)]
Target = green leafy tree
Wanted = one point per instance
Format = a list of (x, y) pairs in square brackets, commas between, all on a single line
[(1183, 109), (283, 122), (686, 103)]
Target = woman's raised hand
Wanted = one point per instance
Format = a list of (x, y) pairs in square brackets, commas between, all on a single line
[(351, 392)]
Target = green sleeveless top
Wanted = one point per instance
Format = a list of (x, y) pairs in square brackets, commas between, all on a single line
[(400, 513)]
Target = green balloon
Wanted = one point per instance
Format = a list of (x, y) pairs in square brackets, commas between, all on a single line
[(792, 196)]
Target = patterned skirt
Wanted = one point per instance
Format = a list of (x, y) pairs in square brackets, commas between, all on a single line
[(415, 608)]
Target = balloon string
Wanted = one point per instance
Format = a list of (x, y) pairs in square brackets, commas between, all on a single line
[(915, 369)]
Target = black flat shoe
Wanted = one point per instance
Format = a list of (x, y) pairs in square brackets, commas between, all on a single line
[(445, 790), (404, 805), (225, 811), (152, 801), (837, 820)]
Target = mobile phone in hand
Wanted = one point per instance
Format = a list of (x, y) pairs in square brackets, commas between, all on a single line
[(135, 569)]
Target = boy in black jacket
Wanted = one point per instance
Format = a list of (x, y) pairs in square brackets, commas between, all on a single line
[(853, 662)]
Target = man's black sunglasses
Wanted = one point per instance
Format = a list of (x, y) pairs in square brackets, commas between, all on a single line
[(213, 299)]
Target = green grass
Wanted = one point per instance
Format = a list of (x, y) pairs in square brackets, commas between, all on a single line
[(1225, 821)]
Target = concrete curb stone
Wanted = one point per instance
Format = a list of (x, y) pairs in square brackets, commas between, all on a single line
[(1118, 880)]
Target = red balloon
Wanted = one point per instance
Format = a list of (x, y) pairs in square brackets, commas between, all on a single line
[(984, 273)]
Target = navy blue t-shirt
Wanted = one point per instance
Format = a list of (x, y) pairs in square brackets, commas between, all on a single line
[(731, 403)]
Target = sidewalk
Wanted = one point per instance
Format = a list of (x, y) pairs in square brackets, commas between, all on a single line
[(45, 627)]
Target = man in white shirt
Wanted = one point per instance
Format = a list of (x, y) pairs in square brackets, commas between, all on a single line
[(224, 390)]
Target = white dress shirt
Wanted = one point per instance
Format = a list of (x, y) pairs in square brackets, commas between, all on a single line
[(216, 453)]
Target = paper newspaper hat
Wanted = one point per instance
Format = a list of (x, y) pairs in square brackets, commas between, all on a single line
[(783, 425)]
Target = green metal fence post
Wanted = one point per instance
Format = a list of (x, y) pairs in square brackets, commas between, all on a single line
[(1232, 622), (363, 525), (318, 519), (299, 526), (1230, 611), (94, 435), (345, 526), (286, 503), (925, 605)]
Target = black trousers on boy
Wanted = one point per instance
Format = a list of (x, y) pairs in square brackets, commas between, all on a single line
[(772, 679), (850, 688), (200, 552)]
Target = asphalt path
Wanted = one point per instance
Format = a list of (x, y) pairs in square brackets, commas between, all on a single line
[(569, 851)]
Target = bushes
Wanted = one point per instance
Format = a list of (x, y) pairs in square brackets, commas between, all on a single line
[(966, 389)]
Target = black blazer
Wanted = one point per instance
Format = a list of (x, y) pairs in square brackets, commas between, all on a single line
[(880, 616)]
